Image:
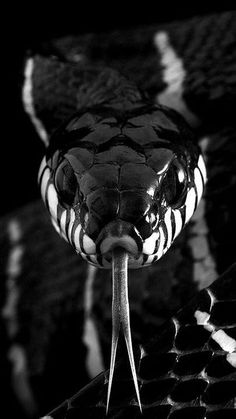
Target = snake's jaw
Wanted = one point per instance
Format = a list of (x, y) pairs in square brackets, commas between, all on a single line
[(121, 316)]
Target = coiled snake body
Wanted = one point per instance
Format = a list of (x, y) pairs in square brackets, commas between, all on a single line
[(121, 178)]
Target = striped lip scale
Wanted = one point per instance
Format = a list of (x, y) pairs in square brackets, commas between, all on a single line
[(121, 199)]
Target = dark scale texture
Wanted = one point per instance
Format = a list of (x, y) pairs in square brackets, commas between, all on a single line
[(221, 414), (219, 367), (193, 363), (180, 384), (155, 391), (161, 412), (121, 393), (188, 390), (191, 337), (223, 314), (188, 315), (188, 412), (152, 367), (220, 393)]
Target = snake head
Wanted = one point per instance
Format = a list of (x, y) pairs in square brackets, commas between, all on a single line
[(131, 180)]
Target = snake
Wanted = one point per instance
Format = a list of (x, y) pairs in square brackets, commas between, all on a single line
[(123, 174), (120, 183)]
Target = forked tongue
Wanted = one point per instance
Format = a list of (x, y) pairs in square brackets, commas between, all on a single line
[(120, 316)]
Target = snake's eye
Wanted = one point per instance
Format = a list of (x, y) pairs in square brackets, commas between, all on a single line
[(65, 183), (175, 184)]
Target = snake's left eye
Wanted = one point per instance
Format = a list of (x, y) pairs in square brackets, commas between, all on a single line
[(66, 183), (174, 184)]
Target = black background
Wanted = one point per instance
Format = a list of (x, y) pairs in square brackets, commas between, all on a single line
[(26, 27)]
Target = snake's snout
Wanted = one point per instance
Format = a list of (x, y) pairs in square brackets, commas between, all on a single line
[(119, 234)]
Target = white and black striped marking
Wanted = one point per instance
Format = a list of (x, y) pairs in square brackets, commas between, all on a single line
[(226, 342), (178, 222), (190, 204), (94, 361), (168, 224), (16, 352), (42, 167), (13, 271), (52, 200), (202, 168), (77, 238), (173, 75), (64, 221), (199, 183), (63, 224), (70, 226), (28, 100), (149, 244), (161, 243), (231, 358), (89, 245), (44, 183)]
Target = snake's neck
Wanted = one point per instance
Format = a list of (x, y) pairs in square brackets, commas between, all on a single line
[(113, 90)]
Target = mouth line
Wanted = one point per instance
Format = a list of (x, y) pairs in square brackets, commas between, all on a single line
[(119, 234), (123, 235), (126, 242), (108, 255)]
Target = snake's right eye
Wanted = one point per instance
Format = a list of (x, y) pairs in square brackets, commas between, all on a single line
[(65, 183), (174, 184)]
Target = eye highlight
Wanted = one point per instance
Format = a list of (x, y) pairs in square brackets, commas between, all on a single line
[(174, 184), (65, 183)]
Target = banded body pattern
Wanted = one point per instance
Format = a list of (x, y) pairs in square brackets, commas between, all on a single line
[(141, 175), (188, 370)]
